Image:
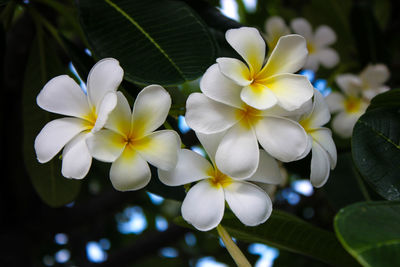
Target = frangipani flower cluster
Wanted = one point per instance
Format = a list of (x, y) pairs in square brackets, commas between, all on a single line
[(357, 92), (318, 42), (243, 105), (104, 127)]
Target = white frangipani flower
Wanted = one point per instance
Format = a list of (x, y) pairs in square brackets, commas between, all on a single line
[(317, 44), (264, 85), (88, 113), (275, 27), (204, 204), (220, 109), (128, 140), (324, 154), (358, 90)]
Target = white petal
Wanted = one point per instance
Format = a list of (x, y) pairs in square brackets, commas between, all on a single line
[(54, 135), (219, 88), (308, 147), (150, 109), (375, 75), (276, 26), (320, 114), (268, 170), (210, 143), (129, 171), (119, 120), (328, 57), (237, 155), (324, 36), (343, 123), (249, 44), (159, 148), (248, 202), (302, 26), (190, 167), (103, 110), (349, 83), (323, 136), (235, 70), (312, 62), (104, 77), (291, 90), (319, 166), (282, 138), (288, 56), (106, 145), (371, 93), (76, 159), (335, 102), (62, 95), (258, 96), (203, 206), (208, 116)]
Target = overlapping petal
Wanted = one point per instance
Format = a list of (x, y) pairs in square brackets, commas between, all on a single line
[(249, 44), (349, 83), (63, 96), (320, 166), (248, 202), (210, 143), (219, 88), (107, 104), (291, 90), (258, 96), (150, 109), (282, 138), (324, 138), (208, 116), (119, 120), (55, 134), (320, 114), (268, 170), (375, 75), (237, 154), (204, 206), (129, 171), (235, 70), (159, 148), (288, 56), (104, 77), (106, 145), (76, 157), (190, 167)]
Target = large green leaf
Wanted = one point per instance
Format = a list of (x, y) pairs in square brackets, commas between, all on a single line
[(157, 41), (389, 99), (285, 231), (47, 180), (370, 231), (376, 150)]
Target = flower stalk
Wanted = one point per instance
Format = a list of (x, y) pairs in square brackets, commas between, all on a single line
[(233, 250)]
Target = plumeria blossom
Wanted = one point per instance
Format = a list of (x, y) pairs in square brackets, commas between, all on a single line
[(275, 27), (128, 140), (358, 90), (221, 109), (318, 44), (324, 154), (264, 85), (87, 114), (204, 204)]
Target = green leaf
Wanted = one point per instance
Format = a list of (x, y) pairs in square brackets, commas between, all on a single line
[(51, 186), (376, 150), (287, 232), (158, 41), (370, 231), (389, 99)]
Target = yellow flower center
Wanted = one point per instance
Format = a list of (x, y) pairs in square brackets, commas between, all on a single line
[(248, 116), (310, 48), (306, 124), (352, 104), (90, 119), (218, 178)]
